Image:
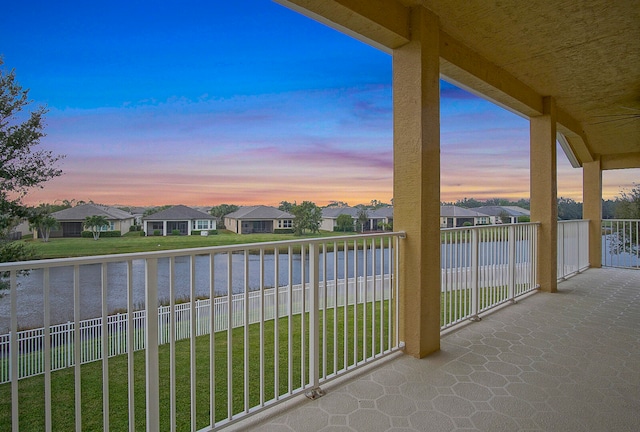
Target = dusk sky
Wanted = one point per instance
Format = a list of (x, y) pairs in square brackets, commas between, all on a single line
[(209, 102)]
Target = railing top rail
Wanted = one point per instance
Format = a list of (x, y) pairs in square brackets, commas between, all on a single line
[(573, 220), (620, 220), (488, 227), (99, 259)]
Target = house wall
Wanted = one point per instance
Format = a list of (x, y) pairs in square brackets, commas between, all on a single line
[(327, 224), (231, 225)]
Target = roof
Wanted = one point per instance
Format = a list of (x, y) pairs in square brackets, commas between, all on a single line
[(81, 212), (498, 210), (179, 212), (334, 212), (585, 55), (259, 213), (454, 211)]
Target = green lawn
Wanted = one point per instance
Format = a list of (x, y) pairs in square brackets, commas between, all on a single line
[(31, 390), (74, 247)]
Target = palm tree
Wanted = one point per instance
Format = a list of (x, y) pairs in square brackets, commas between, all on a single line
[(94, 224), (44, 223)]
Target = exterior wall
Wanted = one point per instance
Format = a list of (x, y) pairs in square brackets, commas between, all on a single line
[(231, 225), (327, 224)]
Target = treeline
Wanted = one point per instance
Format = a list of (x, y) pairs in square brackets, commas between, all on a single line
[(627, 206)]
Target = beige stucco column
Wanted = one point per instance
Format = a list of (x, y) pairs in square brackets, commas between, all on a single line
[(592, 208), (416, 92), (544, 191)]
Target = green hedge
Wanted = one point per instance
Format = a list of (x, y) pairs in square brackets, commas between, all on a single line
[(283, 231), (89, 234), (211, 232), (338, 229)]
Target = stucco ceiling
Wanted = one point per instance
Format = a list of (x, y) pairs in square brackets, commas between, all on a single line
[(584, 53)]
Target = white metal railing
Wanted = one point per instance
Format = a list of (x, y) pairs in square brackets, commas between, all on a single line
[(30, 341), (244, 360), (483, 267), (621, 243), (573, 247)]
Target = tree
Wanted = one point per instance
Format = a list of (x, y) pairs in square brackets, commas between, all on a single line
[(628, 204), (337, 204), (286, 206), (363, 218), (44, 223), (152, 210), (623, 238), (569, 209), (307, 217), (95, 224), (344, 223), (22, 166), (220, 211)]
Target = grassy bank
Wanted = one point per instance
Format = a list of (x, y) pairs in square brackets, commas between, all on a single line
[(75, 247)]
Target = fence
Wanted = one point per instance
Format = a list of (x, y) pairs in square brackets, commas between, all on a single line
[(621, 243), (483, 267), (573, 247), (30, 342), (346, 316)]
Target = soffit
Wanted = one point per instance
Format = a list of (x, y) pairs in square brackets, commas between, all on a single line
[(585, 54)]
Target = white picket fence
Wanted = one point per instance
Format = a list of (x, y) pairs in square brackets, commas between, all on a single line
[(30, 342)]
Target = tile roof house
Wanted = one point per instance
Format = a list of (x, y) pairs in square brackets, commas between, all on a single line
[(72, 219), (497, 213), (258, 219), (453, 216), (179, 218), (376, 217)]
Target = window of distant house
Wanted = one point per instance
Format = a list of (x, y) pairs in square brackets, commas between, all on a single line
[(110, 227), (285, 223), (201, 224)]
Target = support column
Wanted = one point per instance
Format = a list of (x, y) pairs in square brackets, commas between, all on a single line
[(544, 191), (416, 160), (592, 209)]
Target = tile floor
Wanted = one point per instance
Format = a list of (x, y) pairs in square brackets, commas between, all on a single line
[(552, 362)]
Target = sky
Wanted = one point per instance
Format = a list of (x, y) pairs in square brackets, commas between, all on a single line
[(210, 102)]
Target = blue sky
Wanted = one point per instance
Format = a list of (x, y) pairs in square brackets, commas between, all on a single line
[(241, 102)]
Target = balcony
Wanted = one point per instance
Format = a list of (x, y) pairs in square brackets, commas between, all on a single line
[(336, 311), (552, 362)]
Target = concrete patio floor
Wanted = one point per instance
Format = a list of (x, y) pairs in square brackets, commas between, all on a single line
[(552, 362)]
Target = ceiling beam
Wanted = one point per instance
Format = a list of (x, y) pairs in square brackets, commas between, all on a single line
[(384, 24), (620, 161)]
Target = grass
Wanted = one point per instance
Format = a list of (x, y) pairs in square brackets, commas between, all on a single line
[(75, 247), (31, 390)]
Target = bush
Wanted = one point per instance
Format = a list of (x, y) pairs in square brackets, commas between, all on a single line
[(157, 232), (103, 234), (346, 229), (175, 232), (283, 231)]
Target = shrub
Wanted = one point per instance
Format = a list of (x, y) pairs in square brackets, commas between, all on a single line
[(175, 232), (346, 229), (103, 234), (283, 231), (157, 232)]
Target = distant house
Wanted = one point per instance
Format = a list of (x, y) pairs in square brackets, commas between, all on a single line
[(496, 213), (453, 217), (72, 219), (178, 218), (258, 219), (330, 217)]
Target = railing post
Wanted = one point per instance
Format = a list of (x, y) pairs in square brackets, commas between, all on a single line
[(512, 263), (153, 370), (561, 268), (475, 290), (314, 324)]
